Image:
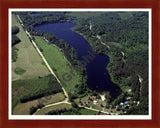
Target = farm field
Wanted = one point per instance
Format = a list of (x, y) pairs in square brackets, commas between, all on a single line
[(58, 63), (30, 89), (24, 108), (28, 59)]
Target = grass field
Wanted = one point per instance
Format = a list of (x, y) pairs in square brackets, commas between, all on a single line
[(114, 44), (88, 112), (14, 19), (24, 108), (125, 15), (28, 59), (56, 107), (21, 88), (58, 62), (84, 14)]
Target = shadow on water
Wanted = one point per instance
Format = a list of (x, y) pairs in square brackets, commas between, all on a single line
[(98, 77)]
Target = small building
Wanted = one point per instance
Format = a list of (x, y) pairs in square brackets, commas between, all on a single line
[(129, 90), (134, 102), (94, 97), (121, 103), (94, 102), (126, 102), (129, 98), (117, 106)]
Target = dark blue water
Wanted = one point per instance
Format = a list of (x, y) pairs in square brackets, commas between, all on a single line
[(98, 77)]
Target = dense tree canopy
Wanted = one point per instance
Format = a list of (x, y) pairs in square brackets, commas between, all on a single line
[(125, 41)]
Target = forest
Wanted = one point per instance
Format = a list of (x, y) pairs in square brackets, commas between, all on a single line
[(127, 47)]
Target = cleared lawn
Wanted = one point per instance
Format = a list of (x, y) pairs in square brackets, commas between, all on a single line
[(59, 64), (84, 14), (114, 44), (14, 19), (125, 15), (88, 112), (24, 108), (28, 59), (55, 107)]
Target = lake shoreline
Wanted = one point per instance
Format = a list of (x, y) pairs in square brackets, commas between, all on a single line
[(98, 79)]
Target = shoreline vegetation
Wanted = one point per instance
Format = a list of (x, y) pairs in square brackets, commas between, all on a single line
[(124, 69)]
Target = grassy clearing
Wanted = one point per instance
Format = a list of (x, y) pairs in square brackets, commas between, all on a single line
[(59, 64), (34, 88), (14, 19), (19, 71), (114, 44), (125, 15), (84, 14), (24, 108), (55, 107), (88, 112), (27, 59)]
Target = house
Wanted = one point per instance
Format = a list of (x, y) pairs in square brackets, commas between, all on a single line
[(117, 106), (126, 102), (94, 97), (121, 103), (129, 98), (129, 90), (94, 102)]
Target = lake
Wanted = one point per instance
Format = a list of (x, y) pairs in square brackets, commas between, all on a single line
[(98, 77)]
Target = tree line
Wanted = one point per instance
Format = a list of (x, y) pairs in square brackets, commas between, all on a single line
[(15, 39)]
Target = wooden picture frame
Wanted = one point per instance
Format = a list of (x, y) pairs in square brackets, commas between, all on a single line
[(4, 71)]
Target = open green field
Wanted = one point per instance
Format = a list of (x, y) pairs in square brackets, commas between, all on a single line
[(14, 19), (59, 64), (125, 15), (30, 89), (28, 59), (88, 112), (55, 107), (114, 44), (84, 14), (24, 108)]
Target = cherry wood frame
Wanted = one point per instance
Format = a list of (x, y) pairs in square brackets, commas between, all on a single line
[(6, 4)]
